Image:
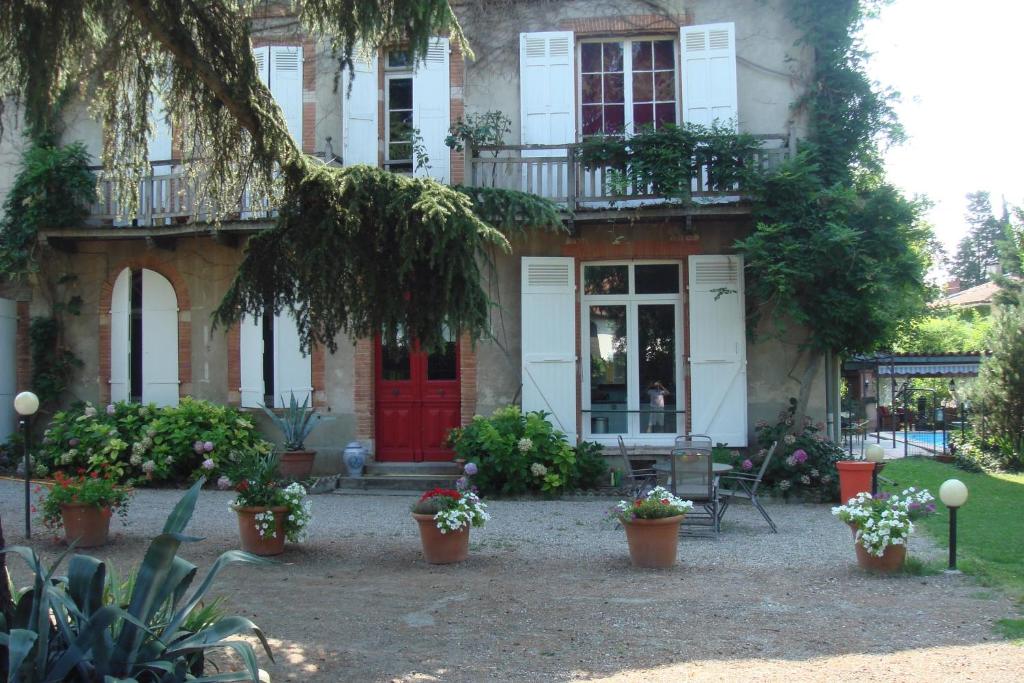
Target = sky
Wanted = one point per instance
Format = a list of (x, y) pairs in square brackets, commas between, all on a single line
[(958, 67)]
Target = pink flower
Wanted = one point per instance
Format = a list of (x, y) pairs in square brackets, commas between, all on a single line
[(73, 442), (111, 409), (208, 446), (748, 464), (223, 483), (799, 456), (209, 464), (197, 446)]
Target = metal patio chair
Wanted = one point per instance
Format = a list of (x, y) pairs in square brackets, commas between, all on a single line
[(693, 479), (744, 486), (636, 481)]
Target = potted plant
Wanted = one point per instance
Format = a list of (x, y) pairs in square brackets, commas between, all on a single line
[(296, 422), (652, 527), (268, 513), (882, 524), (444, 517), (83, 505)]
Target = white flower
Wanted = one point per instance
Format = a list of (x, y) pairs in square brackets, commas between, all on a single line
[(789, 439), (538, 470), (525, 445), (148, 466)]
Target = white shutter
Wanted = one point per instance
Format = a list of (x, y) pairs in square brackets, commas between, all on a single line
[(8, 366), (431, 108), (709, 73), (293, 371), (549, 339), (718, 349), (120, 318), (250, 361), (547, 95), (286, 86), (159, 340), (262, 57), (360, 110)]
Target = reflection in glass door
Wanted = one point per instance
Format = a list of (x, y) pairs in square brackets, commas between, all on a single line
[(608, 389)]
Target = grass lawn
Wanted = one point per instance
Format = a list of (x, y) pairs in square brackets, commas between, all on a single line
[(990, 526)]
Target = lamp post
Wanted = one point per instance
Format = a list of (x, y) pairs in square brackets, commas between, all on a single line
[(953, 494), (876, 454), (26, 404)]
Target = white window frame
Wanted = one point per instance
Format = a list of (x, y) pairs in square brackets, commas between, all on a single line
[(627, 79), (634, 435)]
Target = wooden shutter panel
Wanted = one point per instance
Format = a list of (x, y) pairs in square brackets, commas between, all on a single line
[(293, 370), (709, 73), (8, 366), (431, 102), (549, 339), (120, 313), (250, 361), (360, 110), (546, 88), (159, 340), (262, 57), (718, 349), (286, 86)]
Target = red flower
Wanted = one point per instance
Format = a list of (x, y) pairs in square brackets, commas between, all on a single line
[(448, 493), (664, 501), (33, 508), (81, 470), (242, 485), (638, 502), (95, 475)]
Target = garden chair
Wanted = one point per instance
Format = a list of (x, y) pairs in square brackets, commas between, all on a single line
[(693, 479), (636, 482), (744, 486)]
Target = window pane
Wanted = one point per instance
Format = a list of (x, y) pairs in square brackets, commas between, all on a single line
[(662, 278), (665, 86), (394, 358), (614, 90), (643, 87), (590, 57), (642, 55), (665, 113), (612, 57), (441, 365), (606, 279), (592, 119), (400, 93), (591, 90), (400, 123), (608, 389), (657, 362), (643, 115), (663, 54), (399, 150), (614, 118), (399, 58)]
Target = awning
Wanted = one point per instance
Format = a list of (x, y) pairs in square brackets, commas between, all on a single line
[(929, 370)]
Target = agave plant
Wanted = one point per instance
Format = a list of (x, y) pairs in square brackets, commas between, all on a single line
[(80, 628), (296, 422)]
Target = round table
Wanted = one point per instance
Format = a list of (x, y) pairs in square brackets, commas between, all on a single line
[(717, 468)]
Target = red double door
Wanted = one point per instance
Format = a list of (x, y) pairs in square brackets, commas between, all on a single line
[(418, 401)]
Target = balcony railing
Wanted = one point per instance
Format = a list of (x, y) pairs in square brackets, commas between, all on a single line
[(556, 173)]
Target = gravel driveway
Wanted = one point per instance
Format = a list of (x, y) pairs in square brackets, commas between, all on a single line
[(548, 594)]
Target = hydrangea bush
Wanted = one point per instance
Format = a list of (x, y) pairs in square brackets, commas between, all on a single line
[(885, 519), (518, 453), (146, 443), (453, 510), (659, 503)]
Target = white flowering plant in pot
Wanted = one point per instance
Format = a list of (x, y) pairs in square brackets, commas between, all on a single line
[(885, 519), (659, 503), (254, 477), (452, 510)]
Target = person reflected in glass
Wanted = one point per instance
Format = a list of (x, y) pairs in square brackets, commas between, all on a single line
[(656, 418)]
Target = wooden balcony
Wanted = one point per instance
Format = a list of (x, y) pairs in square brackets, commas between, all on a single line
[(556, 173)]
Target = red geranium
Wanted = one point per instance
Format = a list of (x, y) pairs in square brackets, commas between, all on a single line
[(448, 493)]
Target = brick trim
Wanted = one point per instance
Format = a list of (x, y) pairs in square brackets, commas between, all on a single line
[(319, 376), (150, 262), (363, 390), (467, 379), (23, 351), (628, 24), (456, 83)]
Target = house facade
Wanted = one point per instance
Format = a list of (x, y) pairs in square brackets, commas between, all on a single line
[(630, 324)]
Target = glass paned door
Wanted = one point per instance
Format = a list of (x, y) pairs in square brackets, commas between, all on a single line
[(608, 371), (656, 359)]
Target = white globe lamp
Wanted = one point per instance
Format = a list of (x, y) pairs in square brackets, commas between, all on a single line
[(26, 404), (873, 452), (953, 494)]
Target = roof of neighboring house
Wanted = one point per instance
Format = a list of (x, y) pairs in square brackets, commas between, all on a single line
[(979, 295)]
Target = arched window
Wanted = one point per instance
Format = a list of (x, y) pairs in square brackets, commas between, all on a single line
[(143, 338)]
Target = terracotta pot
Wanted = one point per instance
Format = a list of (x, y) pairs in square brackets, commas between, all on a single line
[(890, 561), (297, 464), (441, 548), (854, 477), (86, 525), (653, 542), (252, 542)]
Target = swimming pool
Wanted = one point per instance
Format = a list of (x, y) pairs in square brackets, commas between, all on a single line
[(933, 440)]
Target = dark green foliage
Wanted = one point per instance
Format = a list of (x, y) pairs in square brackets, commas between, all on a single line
[(591, 467), (983, 246), (486, 128), (53, 364), (67, 629), (998, 396), (972, 454), (667, 160), (513, 212), (53, 189)]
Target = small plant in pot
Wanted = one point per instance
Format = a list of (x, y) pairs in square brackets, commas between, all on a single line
[(444, 517), (652, 526), (83, 506), (296, 423), (882, 524), (268, 513)]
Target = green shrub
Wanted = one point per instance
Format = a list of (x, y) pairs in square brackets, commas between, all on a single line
[(147, 443), (971, 453), (517, 453)]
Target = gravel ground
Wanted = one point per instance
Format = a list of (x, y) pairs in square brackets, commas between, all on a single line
[(548, 594)]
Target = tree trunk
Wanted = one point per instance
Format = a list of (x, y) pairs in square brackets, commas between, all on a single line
[(814, 358)]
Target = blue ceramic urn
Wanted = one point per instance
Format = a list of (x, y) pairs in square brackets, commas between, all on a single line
[(355, 459)]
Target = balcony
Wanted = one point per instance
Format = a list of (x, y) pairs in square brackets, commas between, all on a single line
[(556, 173)]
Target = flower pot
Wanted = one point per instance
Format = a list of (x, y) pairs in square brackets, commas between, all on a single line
[(890, 561), (297, 464), (854, 477), (252, 542), (441, 548), (653, 542), (86, 525)]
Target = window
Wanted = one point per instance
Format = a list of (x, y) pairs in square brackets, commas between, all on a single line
[(632, 314), (272, 364), (399, 122), (626, 85), (143, 338)]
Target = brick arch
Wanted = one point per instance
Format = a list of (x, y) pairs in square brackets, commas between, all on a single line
[(184, 321)]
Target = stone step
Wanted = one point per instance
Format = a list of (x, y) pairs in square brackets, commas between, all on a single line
[(410, 482), (438, 469)]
